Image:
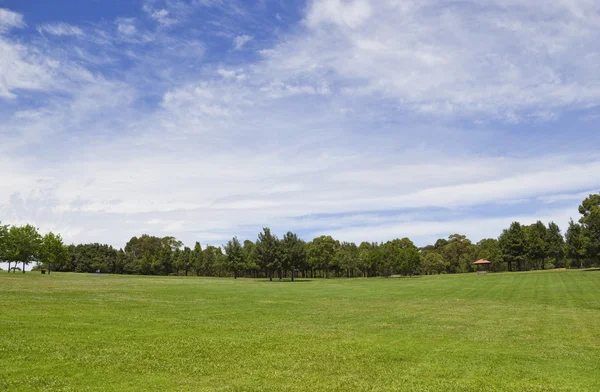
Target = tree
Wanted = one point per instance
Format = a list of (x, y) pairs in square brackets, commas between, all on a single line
[(347, 257), (210, 259), (556, 244), (590, 220), (4, 244), (432, 262), (268, 252), (456, 252), (576, 243), (513, 245), (168, 260), (235, 256), (537, 247), (197, 258), (489, 249), (368, 255), (250, 257), (293, 253), (402, 256), (53, 251), (321, 252), (24, 244)]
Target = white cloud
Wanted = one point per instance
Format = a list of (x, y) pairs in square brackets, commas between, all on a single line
[(9, 20), (21, 68), (162, 16), (320, 136), (60, 29), (241, 40), (508, 59), (126, 26)]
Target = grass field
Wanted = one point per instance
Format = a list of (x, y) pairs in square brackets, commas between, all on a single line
[(520, 331)]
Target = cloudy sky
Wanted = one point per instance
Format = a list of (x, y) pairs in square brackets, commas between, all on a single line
[(366, 120)]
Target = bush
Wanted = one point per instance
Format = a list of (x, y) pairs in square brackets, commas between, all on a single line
[(549, 266)]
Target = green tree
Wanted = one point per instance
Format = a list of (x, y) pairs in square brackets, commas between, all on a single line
[(432, 262), (53, 251), (235, 256), (401, 256), (590, 220), (347, 257), (457, 253), (513, 245), (537, 246), (210, 260), (293, 253), (168, 260), (556, 244), (368, 256), (250, 257), (268, 252), (576, 244), (489, 249), (4, 244), (321, 252), (197, 258), (24, 244)]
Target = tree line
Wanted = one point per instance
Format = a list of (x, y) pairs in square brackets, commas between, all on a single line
[(519, 247)]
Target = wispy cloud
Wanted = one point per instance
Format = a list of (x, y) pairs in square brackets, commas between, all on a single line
[(9, 20), (241, 40), (60, 29), (349, 123)]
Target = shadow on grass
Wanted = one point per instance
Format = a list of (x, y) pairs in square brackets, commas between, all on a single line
[(591, 270), (276, 280)]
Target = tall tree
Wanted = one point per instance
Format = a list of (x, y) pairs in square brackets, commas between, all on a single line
[(168, 260), (556, 244), (537, 246), (576, 243), (197, 258), (268, 252), (235, 256), (489, 249), (210, 260), (250, 257), (4, 244), (368, 255), (293, 253), (53, 251), (590, 220), (347, 258), (513, 245), (24, 244), (432, 262), (321, 253), (456, 252)]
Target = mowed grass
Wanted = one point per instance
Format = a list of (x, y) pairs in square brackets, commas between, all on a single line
[(519, 331)]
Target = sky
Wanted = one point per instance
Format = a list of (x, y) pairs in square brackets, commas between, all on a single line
[(364, 120)]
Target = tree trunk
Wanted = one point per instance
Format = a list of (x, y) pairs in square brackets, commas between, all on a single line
[(292, 275), (270, 276), (23, 267), (9, 267)]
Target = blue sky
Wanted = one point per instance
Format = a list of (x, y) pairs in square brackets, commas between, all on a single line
[(366, 120)]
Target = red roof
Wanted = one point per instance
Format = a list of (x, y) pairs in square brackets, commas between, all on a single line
[(482, 261)]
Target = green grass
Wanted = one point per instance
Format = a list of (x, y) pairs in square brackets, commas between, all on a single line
[(520, 331)]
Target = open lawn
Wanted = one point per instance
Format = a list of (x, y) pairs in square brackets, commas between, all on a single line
[(535, 331)]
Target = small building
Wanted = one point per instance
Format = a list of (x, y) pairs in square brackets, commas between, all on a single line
[(485, 266)]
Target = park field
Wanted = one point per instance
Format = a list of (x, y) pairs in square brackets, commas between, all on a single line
[(537, 331)]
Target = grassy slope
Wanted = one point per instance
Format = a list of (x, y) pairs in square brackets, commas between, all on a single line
[(520, 331)]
